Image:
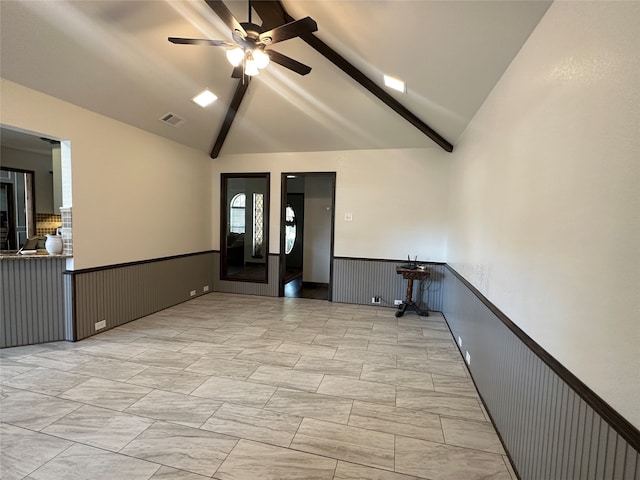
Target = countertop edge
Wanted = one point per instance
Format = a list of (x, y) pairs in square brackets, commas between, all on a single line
[(32, 257)]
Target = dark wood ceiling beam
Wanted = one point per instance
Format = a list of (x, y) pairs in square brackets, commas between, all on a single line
[(274, 11), (344, 65), (271, 13), (243, 84)]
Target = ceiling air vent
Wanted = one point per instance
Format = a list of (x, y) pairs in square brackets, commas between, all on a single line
[(172, 119)]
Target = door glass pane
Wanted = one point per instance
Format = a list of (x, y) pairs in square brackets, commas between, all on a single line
[(258, 221), (290, 230), (237, 213)]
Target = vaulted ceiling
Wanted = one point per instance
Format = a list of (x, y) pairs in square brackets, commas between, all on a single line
[(113, 57)]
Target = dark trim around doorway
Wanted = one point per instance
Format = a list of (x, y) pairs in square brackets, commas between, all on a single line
[(283, 204)]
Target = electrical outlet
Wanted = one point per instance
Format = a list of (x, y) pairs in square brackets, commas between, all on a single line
[(397, 302), (460, 342), (375, 300), (205, 288), (467, 358), (101, 324), (192, 293)]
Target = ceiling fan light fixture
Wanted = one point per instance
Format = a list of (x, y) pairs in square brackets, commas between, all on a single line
[(250, 67), (395, 83), (261, 59), (205, 98), (235, 56)]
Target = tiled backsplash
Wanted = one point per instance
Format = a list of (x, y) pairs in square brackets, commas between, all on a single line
[(47, 223), (67, 235)]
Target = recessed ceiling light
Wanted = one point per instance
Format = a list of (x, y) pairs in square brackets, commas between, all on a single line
[(395, 83), (205, 98)]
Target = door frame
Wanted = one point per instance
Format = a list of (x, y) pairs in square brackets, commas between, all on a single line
[(30, 202), (283, 206), (10, 240), (224, 226)]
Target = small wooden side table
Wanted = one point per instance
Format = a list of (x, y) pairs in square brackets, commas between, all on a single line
[(411, 274)]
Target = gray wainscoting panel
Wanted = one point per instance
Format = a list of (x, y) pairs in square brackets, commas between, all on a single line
[(69, 315), (357, 280), (549, 429), (32, 300), (248, 288), (123, 293)]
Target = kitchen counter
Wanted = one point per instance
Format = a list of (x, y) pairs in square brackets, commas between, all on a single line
[(11, 255), (32, 298)]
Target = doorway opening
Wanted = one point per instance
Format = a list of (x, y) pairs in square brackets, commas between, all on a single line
[(17, 208), (306, 235), (35, 188), (244, 221)]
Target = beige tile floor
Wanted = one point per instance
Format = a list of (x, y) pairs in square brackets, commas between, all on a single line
[(241, 387)]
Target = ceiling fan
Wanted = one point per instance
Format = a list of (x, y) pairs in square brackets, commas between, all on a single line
[(277, 26), (248, 52)]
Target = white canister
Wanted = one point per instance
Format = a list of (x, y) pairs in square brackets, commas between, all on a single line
[(53, 244)]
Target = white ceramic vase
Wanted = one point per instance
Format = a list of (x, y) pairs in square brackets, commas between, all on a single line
[(53, 244)]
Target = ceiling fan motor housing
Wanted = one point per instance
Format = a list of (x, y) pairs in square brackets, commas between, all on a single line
[(253, 36)]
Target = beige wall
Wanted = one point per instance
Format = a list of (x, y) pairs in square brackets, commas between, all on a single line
[(545, 216), (138, 196), (135, 195), (397, 198)]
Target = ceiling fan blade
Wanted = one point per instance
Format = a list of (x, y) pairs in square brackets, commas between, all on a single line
[(226, 16), (271, 13), (288, 62), (200, 41), (289, 30)]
